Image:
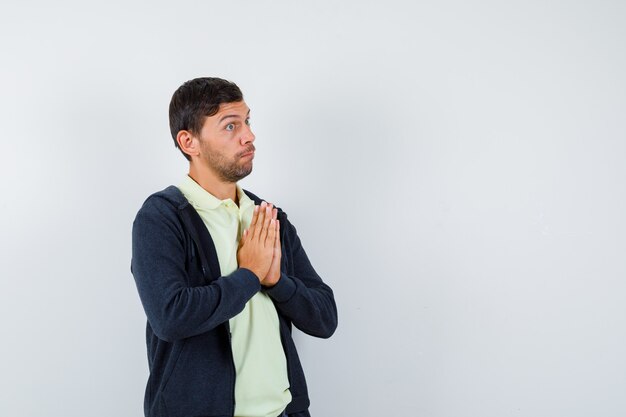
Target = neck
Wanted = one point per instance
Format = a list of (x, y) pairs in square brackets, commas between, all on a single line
[(212, 183)]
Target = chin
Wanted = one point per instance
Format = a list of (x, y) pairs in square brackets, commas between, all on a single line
[(245, 173)]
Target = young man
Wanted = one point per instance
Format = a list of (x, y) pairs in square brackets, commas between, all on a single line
[(222, 275)]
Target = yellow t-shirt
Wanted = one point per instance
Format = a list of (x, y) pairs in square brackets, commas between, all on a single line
[(262, 384)]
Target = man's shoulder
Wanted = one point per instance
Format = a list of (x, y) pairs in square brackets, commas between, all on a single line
[(159, 216), (257, 200), (168, 199)]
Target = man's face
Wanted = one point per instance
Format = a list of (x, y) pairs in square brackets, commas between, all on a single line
[(226, 142)]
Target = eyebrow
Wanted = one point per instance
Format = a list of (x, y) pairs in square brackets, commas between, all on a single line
[(231, 115)]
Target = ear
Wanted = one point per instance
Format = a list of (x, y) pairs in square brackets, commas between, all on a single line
[(187, 143)]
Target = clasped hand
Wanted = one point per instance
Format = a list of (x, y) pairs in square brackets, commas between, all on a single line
[(259, 248)]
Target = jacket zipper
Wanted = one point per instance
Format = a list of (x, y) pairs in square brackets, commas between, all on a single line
[(233, 370)]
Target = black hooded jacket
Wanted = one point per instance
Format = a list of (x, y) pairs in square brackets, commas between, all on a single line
[(188, 304)]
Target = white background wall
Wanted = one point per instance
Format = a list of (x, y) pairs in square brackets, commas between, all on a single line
[(455, 170)]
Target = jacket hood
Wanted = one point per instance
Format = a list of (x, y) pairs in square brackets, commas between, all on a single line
[(175, 197)]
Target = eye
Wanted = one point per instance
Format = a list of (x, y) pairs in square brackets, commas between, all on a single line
[(230, 127), (248, 122)]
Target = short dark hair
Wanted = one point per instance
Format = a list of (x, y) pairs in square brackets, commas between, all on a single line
[(197, 99)]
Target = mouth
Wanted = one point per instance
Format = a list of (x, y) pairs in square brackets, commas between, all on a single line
[(249, 154)]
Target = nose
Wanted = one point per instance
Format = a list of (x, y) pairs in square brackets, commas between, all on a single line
[(247, 136)]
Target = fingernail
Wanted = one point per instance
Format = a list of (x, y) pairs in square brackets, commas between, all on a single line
[(263, 204)]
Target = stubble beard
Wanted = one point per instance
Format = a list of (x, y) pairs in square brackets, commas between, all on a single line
[(227, 170)]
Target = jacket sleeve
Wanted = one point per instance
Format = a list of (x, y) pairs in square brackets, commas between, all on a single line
[(303, 297), (174, 309)]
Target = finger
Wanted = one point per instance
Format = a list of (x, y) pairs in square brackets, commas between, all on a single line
[(266, 224), (274, 210), (253, 222), (277, 239), (271, 233), (278, 242), (258, 226)]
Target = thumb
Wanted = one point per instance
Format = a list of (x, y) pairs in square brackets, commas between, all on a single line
[(244, 235)]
